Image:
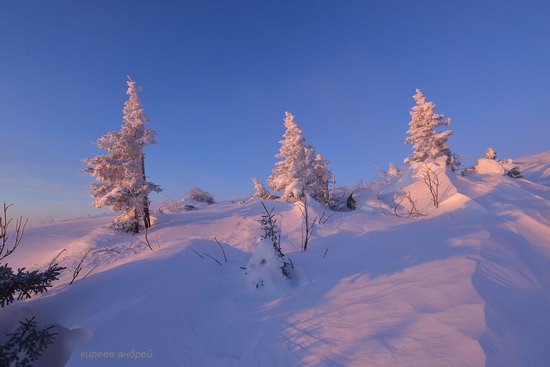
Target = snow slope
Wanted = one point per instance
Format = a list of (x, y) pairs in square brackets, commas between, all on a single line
[(467, 284), (536, 167)]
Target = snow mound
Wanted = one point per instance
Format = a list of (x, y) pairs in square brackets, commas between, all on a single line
[(264, 267), (486, 166), (416, 188)]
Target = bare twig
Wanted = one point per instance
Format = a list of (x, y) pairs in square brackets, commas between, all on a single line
[(55, 258), (325, 255), (4, 226), (223, 251), (307, 226), (78, 268), (205, 254), (213, 258), (199, 255), (88, 273), (413, 211), (396, 204), (324, 217)]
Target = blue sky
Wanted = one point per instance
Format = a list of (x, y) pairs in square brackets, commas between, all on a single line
[(217, 77)]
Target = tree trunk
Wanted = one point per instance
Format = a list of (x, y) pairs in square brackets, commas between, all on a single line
[(146, 216), (135, 223), (146, 213)]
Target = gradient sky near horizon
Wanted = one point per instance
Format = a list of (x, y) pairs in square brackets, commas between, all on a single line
[(217, 77)]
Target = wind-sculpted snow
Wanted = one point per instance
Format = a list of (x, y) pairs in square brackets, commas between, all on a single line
[(466, 284), (536, 168)]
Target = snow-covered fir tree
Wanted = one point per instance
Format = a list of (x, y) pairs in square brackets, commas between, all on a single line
[(423, 136), (322, 180), (268, 261), (260, 191), (490, 153), (122, 184), (294, 172)]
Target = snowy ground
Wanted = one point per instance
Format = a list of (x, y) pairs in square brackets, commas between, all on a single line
[(466, 285)]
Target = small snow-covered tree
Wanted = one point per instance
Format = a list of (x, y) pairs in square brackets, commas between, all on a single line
[(490, 153), (200, 195), (268, 262), (423, 136), (122, 184), (260, 191), (321, 180), (293, 172), (26, 344)]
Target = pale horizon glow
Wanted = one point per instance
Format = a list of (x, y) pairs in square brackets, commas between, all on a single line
[(217, 78)]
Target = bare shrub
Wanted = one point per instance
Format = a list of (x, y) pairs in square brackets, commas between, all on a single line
[(383, 176), (431, 180), (400, 203), (172, 206), (324, 215), (5, 249)]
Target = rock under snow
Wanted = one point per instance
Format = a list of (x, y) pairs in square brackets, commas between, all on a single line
[(486, 166)]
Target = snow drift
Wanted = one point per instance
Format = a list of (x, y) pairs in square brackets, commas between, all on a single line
[(465, 284)]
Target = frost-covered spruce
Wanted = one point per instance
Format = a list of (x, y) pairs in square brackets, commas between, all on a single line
[(322, 179), (490, 153), (423, 136), (294, 171), (122, 184)]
